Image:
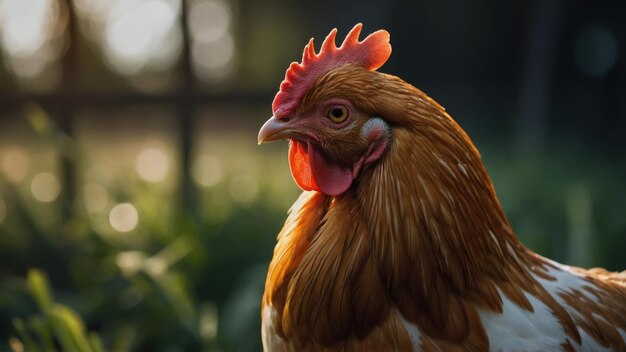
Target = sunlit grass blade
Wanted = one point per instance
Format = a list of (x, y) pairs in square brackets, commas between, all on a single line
[(124, 339), (208, 322), (41, 327), (27, 341), (174, 290), (40, 289), (96, 342), (62, 333), (70, 328)]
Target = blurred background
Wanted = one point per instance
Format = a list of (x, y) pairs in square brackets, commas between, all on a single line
[(137, 212)]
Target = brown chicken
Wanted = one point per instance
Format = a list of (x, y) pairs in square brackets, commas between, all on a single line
[(399, 242)]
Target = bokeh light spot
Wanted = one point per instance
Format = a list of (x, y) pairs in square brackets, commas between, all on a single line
[(124, 217), (129, 40), (140, 35), (156, 266), (208, 322), (244, 188), (207, 170), (23, 32), (152, 165), (213, 60), (96, 197), (45, 187), (209, 20), (15, 165), (213, 46), (130, 262), (596, 51), (30, 35)]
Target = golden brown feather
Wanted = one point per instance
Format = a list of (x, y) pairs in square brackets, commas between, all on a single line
[(420, 237)]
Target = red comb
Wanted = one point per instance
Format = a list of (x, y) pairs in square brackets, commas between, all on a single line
[(371, 53)]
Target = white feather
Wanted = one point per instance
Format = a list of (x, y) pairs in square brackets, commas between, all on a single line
[(566, 280), (412, 330), (517, 329), (271, 340)]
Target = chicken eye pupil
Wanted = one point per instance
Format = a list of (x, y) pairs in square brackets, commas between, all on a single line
[(337, 112)]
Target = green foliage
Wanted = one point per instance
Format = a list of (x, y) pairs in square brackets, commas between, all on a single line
[(178, 281), (54, 327)]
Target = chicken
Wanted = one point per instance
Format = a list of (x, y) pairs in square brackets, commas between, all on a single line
[(398, 241)]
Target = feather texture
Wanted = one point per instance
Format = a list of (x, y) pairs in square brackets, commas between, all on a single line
[(419, 255)]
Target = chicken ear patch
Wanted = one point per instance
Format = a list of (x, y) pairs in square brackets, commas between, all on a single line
[(312, 171)]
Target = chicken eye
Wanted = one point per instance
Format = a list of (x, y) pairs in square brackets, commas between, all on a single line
[(337, 113)]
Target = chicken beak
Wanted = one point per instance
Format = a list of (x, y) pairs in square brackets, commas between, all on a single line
[(274, 129)]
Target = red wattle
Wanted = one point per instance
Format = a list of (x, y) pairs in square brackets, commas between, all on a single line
[(312, 171), (332, 179), (300, 166)]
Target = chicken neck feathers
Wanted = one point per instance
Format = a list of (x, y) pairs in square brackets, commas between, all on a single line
[(418, 253)]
